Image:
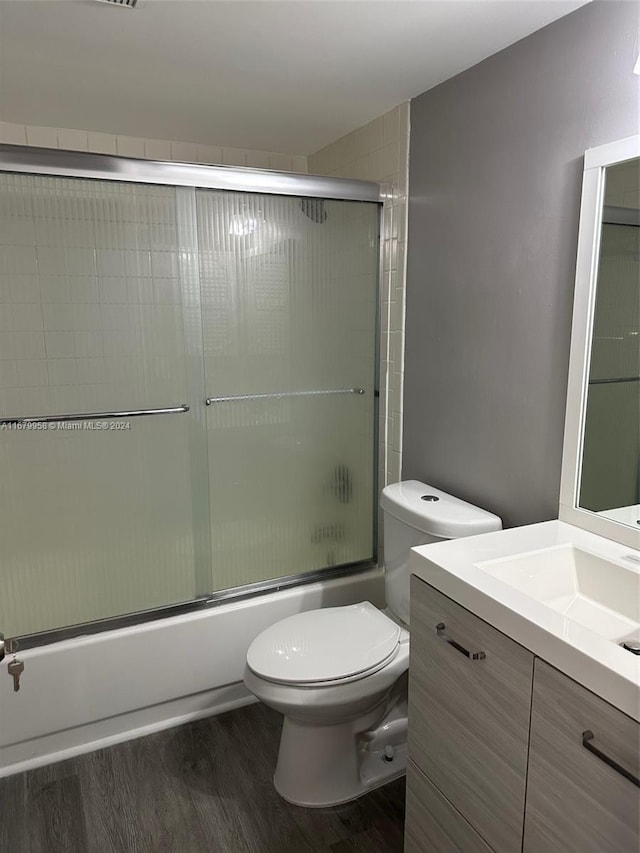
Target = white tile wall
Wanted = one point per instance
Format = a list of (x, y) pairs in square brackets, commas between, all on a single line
[(379, 151), (151, 149)]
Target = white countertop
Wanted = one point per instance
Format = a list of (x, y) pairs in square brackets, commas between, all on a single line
[(595, 662)]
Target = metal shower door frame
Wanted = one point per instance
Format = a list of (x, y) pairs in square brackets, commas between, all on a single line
[(19, 159), (80, 164)]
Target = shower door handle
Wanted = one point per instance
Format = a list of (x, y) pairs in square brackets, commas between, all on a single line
[(1, 645)]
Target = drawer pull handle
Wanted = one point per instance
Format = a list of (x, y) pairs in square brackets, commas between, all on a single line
[(440, 627), (587, 737)]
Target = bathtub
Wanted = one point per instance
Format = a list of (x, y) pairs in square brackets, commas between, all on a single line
[(94, 691)]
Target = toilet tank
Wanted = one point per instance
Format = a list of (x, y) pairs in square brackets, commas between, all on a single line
[(416, 514)]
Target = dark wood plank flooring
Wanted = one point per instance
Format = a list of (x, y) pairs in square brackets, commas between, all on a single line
[(201, 788)]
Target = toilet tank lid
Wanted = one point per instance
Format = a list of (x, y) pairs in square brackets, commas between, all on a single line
[(435, 512)]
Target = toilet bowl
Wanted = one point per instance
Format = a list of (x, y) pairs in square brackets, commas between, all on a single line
[(339, 674), (334, 683)]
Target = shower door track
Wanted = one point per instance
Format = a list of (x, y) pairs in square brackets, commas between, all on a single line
[(205, 602), (80, 164)]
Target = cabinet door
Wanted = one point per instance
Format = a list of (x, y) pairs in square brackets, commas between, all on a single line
[(433, 825), (469, 718), (576, 801)]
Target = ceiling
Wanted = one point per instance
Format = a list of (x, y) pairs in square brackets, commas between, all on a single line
[(278, 76)]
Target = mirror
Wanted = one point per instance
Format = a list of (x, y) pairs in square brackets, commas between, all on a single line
[(600, 488), (610, 477)]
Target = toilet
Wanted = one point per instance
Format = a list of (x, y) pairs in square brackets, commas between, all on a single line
[(339, 674)]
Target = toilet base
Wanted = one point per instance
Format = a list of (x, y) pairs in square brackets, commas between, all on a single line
[(326, 765)]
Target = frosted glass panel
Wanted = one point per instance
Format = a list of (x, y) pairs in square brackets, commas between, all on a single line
[(289, 291), (93, 522), (91, 301)]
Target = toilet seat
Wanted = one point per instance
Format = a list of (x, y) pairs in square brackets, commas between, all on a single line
[(325, 647)]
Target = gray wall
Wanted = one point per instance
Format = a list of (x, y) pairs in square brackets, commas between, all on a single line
[(495, 181)]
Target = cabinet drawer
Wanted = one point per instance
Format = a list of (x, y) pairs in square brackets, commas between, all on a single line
[(576, 802), (469, 719), (432, 824)]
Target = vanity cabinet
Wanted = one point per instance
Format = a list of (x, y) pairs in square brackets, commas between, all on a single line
[(501, 742), (432, 822), (572, 793), (469, 706)]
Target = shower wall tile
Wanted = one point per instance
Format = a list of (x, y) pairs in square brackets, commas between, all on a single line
[(151, 149), (26, 317), (281, 162), (234, 157), (299, 163), (157, 149), (73, 140), (130, 146), (42, 137), (100, 143), (9, 373), (13, 134), (184, 152), (379, 151), (258, 159), (31, 372), (209, 154)]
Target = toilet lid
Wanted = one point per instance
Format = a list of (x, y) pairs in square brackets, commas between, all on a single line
[(324, 645)]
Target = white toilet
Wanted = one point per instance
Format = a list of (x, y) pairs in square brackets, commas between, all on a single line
[(339, 674)]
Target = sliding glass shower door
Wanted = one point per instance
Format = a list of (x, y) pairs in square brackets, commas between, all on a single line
[(187, 394), (289, 292), (95, 514)]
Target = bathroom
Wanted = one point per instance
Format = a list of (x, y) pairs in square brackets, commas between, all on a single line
[(429, 214)]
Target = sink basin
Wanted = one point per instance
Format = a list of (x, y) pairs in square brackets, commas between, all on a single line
[(587, 589), (567, 595)]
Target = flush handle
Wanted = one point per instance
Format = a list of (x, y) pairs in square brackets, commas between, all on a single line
[(587, 738), (440, 631)]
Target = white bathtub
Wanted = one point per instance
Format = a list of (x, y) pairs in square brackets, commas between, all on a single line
[(90, 692)]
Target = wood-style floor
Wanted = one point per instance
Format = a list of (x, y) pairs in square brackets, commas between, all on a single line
[(202, 788)]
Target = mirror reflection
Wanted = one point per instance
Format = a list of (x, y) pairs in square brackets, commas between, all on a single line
[(610, 481)]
